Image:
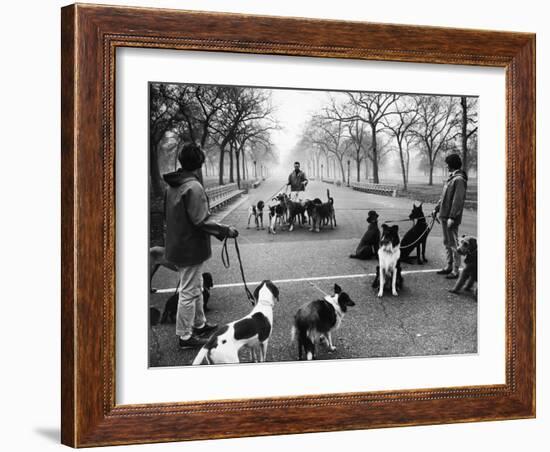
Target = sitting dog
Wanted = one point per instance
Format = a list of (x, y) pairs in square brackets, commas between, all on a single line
[(315, 321), (468, 276), (322, 213), (389, 265), (157, 260), (415, 237), (368, 246), (252, 331), (256, 211), (171, 306)]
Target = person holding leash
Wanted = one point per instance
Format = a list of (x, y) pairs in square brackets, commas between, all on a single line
[(297, 181), (188, 231), (450, 208)]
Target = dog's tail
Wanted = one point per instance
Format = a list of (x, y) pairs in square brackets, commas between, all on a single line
[(200, 356), (293, 333), (330, 200)]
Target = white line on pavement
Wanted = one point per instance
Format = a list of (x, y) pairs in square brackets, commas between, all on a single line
[(312, 278)]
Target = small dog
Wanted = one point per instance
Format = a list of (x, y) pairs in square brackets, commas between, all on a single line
[(322, 213), (368, 246), (252, 331), (257, 212), (389, 265), (468, 276), (171, 306), (415, 237), (315, 321), (157, 260)]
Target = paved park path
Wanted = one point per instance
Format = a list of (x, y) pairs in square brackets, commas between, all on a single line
[(425, 319)]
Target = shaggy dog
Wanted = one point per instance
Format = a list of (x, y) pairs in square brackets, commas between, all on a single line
[(368, 246), (468, 276)]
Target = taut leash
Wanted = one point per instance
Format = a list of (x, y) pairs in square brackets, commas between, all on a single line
[(226, 264), (426, 232)]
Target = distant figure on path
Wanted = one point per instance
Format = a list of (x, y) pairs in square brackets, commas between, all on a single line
[(450, 208), (297, 181)]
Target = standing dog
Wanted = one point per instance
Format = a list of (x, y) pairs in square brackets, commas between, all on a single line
[(322, 213), (415, 238), (368, 246), (252, 331), (315, 321), (277, 213), (389, 265), (468, 276), (157, 260), (256, 211)]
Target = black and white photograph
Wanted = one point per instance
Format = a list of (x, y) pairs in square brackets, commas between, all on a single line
[(299, 225)]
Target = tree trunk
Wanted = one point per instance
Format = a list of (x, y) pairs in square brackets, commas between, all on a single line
[(231, 177), (244, 165), (431, 178), (402, 161), (156, 179), (237, 152), (221, 165), (342, 170), (374, 156), (465, 161)]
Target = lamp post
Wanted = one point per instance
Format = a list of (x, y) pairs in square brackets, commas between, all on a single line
[(348, 171), (322, 171), (255, 174)]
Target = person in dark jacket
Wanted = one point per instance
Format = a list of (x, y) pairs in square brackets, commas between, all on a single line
[(187, 244), (297, 181), (450, 208)]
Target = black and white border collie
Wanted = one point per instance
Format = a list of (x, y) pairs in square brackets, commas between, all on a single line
[(389, 265), (315, 321), (252, 331)]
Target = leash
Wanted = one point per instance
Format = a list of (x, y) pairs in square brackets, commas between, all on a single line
[(318, 288), (226, 264), (426, 232)]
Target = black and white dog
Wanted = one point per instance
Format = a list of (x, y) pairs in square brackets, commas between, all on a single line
[(277, 213), (256, 211), (389, 265), (252, 331), (315, 321)]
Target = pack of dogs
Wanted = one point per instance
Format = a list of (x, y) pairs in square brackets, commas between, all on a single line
[(284, 211), (315, 321)]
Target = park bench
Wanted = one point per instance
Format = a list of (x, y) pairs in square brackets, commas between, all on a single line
[(222, 194), (256, 183), (379, 189), (327, 181)]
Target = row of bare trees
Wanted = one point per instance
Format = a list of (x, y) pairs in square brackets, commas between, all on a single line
[(365, 127), (227, 121)]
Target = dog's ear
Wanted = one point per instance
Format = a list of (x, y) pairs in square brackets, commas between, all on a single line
[(421, 203), (395, 228), (337, 289), (473, 243), (385, 226), (273, 288)]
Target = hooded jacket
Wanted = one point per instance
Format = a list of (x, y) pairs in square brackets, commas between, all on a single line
[(452, 199), (188, 226)]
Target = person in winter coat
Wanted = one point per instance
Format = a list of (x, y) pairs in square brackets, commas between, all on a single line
[(187, 244), (297, 181), (450, 208)]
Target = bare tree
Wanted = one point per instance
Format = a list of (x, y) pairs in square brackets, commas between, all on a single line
[(433, 129), (400, 127), (468, 128)]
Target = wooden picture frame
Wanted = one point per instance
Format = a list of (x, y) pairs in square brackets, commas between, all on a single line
[(90, 36)]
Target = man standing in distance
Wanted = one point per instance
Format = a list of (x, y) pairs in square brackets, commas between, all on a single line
[(297, 181)]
